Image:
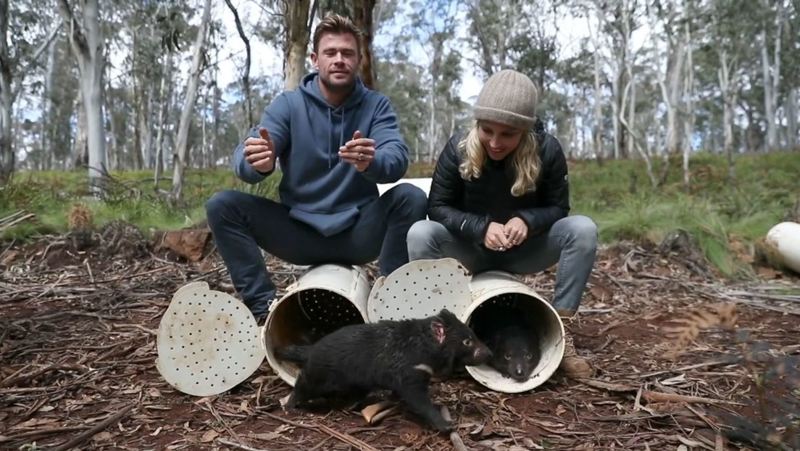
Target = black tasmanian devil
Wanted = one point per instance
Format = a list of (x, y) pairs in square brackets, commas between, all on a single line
[(512, 340), (400, 356)]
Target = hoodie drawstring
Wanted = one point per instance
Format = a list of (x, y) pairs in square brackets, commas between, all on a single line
[(341, 137), (330, 151)]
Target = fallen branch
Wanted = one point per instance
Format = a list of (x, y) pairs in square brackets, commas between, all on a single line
[(653, 396), (346, 438), (87, 434)]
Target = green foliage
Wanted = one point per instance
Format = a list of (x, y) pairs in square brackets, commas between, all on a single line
[(616, 194)]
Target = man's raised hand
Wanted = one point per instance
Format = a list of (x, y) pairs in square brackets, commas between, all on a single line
[(260, 152), (359, 151)]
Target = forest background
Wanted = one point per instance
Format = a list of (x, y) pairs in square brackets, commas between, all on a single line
[(674, 114)]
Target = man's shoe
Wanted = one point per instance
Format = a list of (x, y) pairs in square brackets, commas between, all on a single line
[(573, 365)]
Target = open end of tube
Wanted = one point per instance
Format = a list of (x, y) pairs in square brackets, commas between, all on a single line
[(304, 317)]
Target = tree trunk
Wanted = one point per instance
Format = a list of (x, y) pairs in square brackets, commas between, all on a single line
[(80, 150), (791, 119), (7, 158), (87, 45), (298, 26), (688, 121), (165, 94), (728, 104), (362, 18), (47, 107), (247, 104), (597, 126), (181, 148)]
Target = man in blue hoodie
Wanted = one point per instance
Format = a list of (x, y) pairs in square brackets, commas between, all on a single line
[(335, 140)]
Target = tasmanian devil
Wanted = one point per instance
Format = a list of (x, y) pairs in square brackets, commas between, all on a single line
[(511, 339), (400, 356), (515, 351)]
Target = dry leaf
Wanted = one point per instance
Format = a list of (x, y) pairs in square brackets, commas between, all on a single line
[(153, 392), (35, 422), (209, 436), (9, 258), (132, 391), (103, 436), (266, 436)]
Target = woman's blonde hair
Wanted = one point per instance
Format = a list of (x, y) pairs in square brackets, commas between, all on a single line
[(525, 160)]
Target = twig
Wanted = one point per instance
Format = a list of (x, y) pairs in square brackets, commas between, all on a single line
[(346, 438), (239, 445), (653, 396), (15, 378), (83, 436), (725, 361), (458, 444), (39, 433), (219, 418)]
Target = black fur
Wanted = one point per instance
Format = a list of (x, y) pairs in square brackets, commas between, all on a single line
[(515, 352), (511, 338), (391, 355)]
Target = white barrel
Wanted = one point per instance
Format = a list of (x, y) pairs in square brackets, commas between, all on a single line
[(322, 300), (496, 289), (784, 239)]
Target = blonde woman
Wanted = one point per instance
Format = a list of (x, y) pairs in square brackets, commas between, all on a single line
[(499, 199)]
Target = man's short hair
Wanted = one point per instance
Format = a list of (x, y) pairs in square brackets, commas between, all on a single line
[(337, 24)]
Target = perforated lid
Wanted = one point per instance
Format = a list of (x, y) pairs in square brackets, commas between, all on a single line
[(207, 341), (419, 289)]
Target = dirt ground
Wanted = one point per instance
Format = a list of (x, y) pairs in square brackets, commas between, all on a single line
[(683, 360)]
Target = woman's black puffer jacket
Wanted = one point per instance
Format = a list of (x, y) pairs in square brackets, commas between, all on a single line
[(466, 207)]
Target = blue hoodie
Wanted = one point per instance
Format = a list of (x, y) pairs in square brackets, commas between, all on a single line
[(320, 189)]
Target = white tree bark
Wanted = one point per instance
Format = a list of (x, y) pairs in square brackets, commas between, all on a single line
[(729, 94), (182, 145), (165, 95), (597, 125), (87, 45), (791, 119), (7, 157), (47, 107), (688, 95), (772, 74)]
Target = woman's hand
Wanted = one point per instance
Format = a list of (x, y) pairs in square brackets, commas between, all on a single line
[(495, 238), (516, 231)]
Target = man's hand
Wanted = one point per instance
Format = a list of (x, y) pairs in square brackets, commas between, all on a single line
[(495, 238), (358, 151), (260, 152), (516, 231)]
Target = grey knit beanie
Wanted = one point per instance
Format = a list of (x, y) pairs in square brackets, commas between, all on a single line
[(508, 97)]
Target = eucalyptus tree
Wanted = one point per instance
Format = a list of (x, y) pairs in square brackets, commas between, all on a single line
[(182, 140), (32, 38), (434, 22), (769, 38), (247, 104), (88, 46)]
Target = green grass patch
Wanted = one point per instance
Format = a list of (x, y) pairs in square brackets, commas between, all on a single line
[(616, 194)]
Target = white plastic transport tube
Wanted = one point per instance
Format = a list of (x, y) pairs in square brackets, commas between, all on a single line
[(498, 290), (324, 299)]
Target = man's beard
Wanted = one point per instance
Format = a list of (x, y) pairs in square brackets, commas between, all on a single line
[(338, 88)]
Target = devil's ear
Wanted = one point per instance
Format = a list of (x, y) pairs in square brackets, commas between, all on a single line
[(438, 330), (447, 316)]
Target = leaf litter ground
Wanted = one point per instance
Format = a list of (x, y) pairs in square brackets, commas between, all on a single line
[(683, 360)]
